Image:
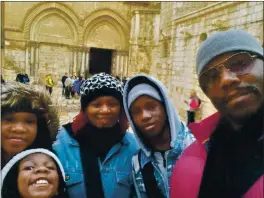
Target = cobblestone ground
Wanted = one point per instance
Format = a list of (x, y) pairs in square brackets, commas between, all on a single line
[(68, 108)]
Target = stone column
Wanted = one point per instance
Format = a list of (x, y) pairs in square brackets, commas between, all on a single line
[(157, 28), (36, 61), (27, 67), (121, 66), (87, 67), (82, 70), (117, 63), (79, 62), (113, 64), (32, 57), (71, 62), (126, 66), (74, 62), (137, 25)]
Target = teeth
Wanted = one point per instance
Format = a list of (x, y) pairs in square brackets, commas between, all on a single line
[(42, 181)]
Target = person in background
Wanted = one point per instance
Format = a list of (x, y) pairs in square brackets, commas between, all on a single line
[(63, 83), (73, 80), (33, 173), (19, 78), (124, 81), (25, 78), (77, 86), (96, 149), (161, 134), (193, 104), (49, 83), (2, 79), (227, 158), (29, 119), (68, 87)]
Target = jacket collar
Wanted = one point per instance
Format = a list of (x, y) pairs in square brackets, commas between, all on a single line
[(202, 130)]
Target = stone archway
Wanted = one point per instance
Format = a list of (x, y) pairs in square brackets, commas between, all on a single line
[(106, 29), (44, 9), (51, 29)]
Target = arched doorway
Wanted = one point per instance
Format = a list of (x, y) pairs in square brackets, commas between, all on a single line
[(106, 33), (51, 30)]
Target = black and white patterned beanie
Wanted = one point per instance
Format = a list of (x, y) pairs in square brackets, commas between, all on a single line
[(101, 84)]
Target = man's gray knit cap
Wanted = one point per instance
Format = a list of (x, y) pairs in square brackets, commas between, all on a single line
[(224, 42), (143, 89)]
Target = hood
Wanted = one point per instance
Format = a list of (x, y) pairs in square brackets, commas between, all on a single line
[(38, 101), (17, 158), (173, 117)]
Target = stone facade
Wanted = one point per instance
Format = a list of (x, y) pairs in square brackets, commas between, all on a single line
[(55, 37), (157, 38)]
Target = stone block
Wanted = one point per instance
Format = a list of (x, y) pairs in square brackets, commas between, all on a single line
[(243, 20), (252, 3), (259, 16), (243, 12), (249, 18)]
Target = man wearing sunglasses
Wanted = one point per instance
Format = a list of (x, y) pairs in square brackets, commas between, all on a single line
[(226, 160)]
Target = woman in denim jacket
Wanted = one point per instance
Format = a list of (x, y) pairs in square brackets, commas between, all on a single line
[(95, 149)]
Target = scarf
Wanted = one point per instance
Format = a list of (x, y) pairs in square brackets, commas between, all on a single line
[(95, 143), (235, 159)]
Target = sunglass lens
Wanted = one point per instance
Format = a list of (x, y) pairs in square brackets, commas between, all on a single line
[(209, 77), (240, 64)]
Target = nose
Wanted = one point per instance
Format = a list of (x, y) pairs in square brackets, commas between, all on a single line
[(228, 79), (145, 115), (18, 127), (104, 109), (41, 169)]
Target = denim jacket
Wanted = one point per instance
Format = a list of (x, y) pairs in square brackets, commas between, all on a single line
[(116, 169)]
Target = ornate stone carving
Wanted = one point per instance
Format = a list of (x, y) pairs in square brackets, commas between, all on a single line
[(186, 32), (219, 24)]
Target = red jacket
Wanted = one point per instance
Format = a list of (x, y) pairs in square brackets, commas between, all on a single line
[(187, 174)]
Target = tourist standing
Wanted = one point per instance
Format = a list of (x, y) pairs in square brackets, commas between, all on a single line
[(68, 87), (63, 83), (77, 86), (193, 105), (49, 83)]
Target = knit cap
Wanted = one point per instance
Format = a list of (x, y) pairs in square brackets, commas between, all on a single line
[(101, 84), (224, 42), (140, 90)]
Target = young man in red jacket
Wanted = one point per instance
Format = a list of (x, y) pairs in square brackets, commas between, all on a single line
[(226, 160)]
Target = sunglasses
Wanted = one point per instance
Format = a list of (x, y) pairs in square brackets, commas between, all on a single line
[(239, 64)]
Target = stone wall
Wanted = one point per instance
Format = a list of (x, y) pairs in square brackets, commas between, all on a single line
[(144, 37)]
